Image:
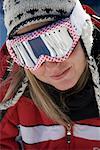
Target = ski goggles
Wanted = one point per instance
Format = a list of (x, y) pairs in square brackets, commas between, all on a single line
[(54, 43)]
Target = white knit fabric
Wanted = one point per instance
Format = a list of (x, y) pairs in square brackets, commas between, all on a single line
[(22, 7), (14, 100), (96, 79)]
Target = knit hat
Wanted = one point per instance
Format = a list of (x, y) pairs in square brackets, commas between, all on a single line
[(20, 13)]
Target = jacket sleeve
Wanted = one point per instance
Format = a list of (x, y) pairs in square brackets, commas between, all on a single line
[(9, 120), (9, 132)]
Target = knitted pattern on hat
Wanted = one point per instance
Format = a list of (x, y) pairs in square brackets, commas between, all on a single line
[(19, 13)]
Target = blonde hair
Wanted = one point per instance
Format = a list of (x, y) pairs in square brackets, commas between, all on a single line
[(14, 81), (44, 101), (42, 98)]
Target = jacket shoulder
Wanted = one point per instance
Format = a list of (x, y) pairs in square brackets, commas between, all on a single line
[(4, 58), (7, 70)]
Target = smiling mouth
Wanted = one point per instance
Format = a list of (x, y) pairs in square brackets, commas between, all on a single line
[(61, 75)]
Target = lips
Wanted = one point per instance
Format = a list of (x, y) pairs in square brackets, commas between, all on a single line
[(60, 74)]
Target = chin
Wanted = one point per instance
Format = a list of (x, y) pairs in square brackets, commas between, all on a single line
[(65, 86)]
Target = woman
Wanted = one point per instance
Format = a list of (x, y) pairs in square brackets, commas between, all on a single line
[(51, 97)]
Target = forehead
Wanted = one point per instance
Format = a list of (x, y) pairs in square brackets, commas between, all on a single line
[(32, 27)]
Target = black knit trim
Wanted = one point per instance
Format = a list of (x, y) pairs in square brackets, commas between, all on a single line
[(55, 17), (96, 44), (16, 2)]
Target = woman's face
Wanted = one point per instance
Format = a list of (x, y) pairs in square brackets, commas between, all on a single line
[(63, 75)]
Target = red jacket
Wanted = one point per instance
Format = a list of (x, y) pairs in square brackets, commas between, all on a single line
[(25, 121)]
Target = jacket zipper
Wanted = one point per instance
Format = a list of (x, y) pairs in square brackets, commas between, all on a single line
[(69, 134)]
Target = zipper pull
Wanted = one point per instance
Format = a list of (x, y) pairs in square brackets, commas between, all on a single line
[(69, 134), (69, 137)]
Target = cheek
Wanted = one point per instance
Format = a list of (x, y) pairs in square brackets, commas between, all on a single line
[(80, 63), (80, 66), (39, 73), (78, 60)]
